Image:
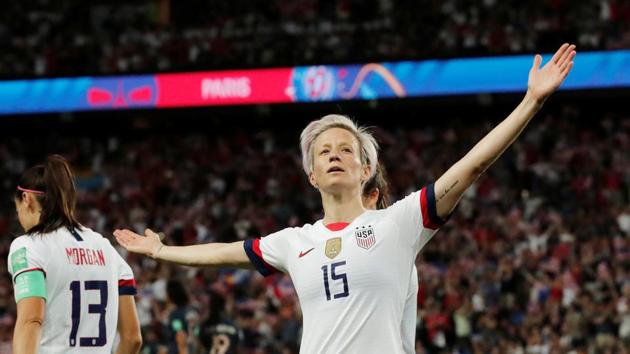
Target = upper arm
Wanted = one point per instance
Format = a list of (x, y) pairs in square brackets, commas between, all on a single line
[(31, 310), (450, 187), (416, 217), (233, 254), (269, 254), (128, 323), (26, 267)]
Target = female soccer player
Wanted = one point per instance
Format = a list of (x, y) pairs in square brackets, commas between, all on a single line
[(351, 269), (73, 290)]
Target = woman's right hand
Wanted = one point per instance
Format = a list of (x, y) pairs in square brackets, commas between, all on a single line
[(149, 244)]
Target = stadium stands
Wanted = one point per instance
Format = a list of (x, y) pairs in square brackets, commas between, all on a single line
[(57, 38), (535, 260)]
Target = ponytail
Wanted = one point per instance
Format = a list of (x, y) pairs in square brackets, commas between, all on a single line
[(378, 181), (58, 200)]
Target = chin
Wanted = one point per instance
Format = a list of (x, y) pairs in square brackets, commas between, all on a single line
[(339, 186)]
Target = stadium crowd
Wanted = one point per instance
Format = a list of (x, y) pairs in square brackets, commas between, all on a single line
[(56, 38), (536, 259)]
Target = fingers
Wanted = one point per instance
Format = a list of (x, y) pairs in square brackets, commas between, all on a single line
[(122, 237), (567, 69), (566, 55), (150, 233), (537, 62), (566, 61), (559, 53), (125, 237)]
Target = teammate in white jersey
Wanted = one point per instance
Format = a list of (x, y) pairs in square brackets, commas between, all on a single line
[(73, 290), (351, 269), (376, 196)]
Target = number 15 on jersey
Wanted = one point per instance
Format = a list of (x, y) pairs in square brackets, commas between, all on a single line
[(335, 275)]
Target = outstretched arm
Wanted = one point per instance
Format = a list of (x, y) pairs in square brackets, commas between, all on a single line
[(542, 82), (208, 254)]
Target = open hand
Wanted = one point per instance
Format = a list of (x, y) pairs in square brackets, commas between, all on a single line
[(544, 81), (148, 245)]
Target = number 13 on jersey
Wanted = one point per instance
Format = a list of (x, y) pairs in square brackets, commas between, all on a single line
[(335, 275), (99, 308)]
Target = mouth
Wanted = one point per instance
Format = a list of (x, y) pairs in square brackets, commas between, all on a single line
[(335, 169)]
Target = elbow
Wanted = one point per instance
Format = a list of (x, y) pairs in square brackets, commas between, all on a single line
[(478, 170), (133, 341), (30, 322)]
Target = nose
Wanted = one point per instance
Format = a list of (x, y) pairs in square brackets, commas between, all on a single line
[(333, 157)]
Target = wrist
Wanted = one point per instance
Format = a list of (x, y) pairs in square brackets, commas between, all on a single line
[(156, 251), (534, 99)]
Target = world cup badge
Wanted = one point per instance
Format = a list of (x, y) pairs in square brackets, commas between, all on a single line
[(365, 237), (333, 247)]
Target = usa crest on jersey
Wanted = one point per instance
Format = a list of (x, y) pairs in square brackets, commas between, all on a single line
[(365, 237)]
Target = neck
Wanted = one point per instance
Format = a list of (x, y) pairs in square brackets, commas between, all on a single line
[(341, 207)]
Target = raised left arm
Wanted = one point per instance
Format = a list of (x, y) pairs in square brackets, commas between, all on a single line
[(542, 82)]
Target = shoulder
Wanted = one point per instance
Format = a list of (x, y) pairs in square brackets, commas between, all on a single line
[(86, 231), (20, 242), (97, 238), (413, 196), (293, 231), (24, 253)]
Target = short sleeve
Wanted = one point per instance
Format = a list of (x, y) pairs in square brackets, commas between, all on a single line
[(126, 280), (416, 216), (27, 268), (269, 254), (24, 258)]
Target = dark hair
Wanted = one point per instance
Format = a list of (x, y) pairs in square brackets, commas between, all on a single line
[(58, 201), (176, 293), (378, 181)]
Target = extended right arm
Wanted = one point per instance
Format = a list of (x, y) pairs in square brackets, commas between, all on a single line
[(208, 254)]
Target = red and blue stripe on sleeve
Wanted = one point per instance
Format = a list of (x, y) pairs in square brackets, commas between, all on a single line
[(127, 287), (252, 249), (430, 218)]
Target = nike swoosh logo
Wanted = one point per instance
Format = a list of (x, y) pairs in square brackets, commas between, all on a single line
[(302, 253)]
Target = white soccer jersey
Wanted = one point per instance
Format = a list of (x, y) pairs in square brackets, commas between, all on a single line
[(353, 279), (84, 277)]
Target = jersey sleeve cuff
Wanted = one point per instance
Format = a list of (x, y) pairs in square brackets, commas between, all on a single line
[(127, 287), (28, 270), (430, 218), (252, 249), (30, 283)]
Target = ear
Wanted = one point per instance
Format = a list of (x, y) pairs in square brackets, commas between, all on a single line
[(30, 202), (27, 200), (375, 193), (311, 179), (365, 175)]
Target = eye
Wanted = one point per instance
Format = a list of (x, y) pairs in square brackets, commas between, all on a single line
[(325, 151), (347, 150)]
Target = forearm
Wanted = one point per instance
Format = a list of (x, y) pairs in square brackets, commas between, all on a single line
[(129, 346), (209, 254), (450, 187), (488, 149), (26, 337)]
